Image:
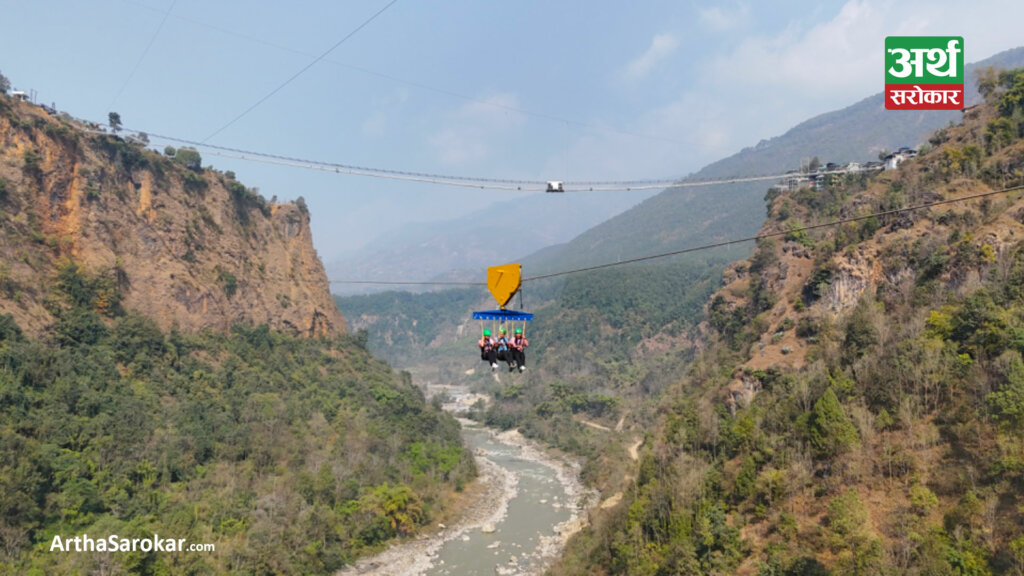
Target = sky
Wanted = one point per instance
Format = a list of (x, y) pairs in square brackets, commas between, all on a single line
[(567, 90)]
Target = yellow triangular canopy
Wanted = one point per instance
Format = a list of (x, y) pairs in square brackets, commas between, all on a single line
[(503, 282)]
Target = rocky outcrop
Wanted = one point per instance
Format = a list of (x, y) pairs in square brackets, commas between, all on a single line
[(192, 249), (851, 278)]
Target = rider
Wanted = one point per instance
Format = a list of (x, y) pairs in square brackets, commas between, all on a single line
[(504, 352), (519, 344), (488, 349)]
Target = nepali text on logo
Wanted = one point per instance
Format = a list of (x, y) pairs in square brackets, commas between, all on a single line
[(924, 73)]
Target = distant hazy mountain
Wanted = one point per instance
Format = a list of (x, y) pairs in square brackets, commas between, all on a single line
[(679, 218), (460, 249), (559, 231)]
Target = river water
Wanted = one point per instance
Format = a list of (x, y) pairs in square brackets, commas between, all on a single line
[(531, 504), (526, 538)]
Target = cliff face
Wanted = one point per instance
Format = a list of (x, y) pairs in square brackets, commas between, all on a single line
[(186, 247)]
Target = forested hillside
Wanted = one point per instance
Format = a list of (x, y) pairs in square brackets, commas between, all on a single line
[(290, 455), (857, 409), (171, 370)]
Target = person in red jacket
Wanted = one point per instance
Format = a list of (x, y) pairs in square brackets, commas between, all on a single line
[(518, 346)]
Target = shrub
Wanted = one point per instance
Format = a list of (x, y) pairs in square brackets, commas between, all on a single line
[(1006, 405), (194, 182), (9, 329), (860, 333), (808, 327), (189, 158), (1013, 98), (135, 334), (818, 283), (922, 500), (227, 281), (31, 165), (847, 514)]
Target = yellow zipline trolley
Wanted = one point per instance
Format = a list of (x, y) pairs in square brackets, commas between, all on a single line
[(503, 282)]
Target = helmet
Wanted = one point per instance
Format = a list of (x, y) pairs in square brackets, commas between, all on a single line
[(487, 332), (502, 330), (519, 330)]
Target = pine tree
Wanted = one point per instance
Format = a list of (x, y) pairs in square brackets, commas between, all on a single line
[(831, 431)]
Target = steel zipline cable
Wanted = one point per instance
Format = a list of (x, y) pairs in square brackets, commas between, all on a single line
[(280, 86), (724, 243), (142, 57), (401, 283)]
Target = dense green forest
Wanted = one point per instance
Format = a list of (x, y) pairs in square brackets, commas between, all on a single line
[(290, 455), (403, 325), (895, 444)]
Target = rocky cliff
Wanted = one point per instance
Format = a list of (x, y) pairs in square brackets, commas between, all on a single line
[(189, 247)]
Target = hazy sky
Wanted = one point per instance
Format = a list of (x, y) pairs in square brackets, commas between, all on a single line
[(545, 89)]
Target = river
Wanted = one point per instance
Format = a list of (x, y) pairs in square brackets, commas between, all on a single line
[(531, 503)]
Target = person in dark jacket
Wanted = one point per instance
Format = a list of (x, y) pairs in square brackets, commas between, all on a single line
[(489, 350)]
